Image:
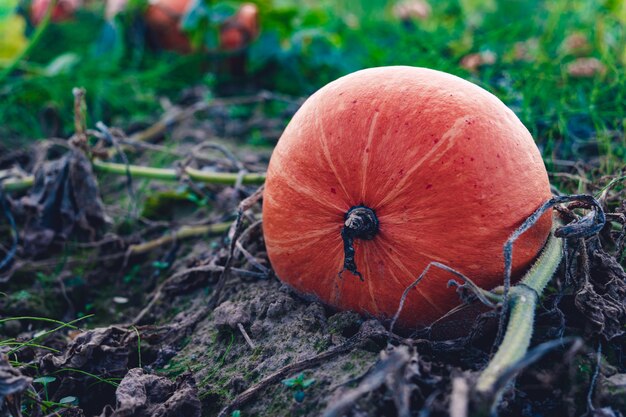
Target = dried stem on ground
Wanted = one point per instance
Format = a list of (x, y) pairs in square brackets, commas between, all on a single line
[(352, 343)]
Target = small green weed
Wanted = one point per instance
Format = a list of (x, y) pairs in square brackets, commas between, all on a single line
[(298, 384)]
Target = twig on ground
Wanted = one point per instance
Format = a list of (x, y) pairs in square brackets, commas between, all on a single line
[(185, 232), (129, 178), (10, 253), (177, 115), (594, 378), (388, 367), (158, 293), (160, 174), (249, 257), (570, 176), (459, 397), (251, 392), (405, 294), (484, 296), (245, 336), (80, 117), (171, 174), (196, 153), (603, 193), (234, 234), (252, 260)]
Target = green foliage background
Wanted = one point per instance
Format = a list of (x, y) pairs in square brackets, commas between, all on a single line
[(305, 44)]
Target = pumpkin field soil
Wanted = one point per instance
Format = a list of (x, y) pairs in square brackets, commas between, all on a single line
[(200, 326)]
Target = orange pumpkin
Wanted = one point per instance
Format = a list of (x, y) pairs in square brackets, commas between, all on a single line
[(163, 18), (62, 10), (398, 167), (235, 34), (240, 29)]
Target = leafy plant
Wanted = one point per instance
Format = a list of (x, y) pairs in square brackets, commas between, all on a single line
[(45, 380), (298, 384), (302, 47)]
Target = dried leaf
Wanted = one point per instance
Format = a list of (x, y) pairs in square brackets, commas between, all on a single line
[(141, 394), (602, 298), (12, 381), (63, 202), (101, 351), (612, 390), (229, 314), (94, 356)]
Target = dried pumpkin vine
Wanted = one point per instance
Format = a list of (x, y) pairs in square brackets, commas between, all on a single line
[(521, 299), (519, 302)]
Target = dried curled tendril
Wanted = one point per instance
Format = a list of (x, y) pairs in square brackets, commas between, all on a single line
[(586, 226)]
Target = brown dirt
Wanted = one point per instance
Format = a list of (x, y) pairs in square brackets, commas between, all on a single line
[(188, 353)]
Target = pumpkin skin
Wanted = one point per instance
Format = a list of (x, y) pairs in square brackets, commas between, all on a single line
[(448, 169)]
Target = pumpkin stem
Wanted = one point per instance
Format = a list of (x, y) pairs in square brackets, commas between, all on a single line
[(360, 223)]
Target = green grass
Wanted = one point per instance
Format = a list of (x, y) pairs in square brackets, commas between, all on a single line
[(304, 46), (40, 335), (12, 348)]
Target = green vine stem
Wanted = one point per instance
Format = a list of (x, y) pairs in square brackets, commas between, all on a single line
[(163, 174), (185, 232), (523, 302), (36, 38), (17, 184)]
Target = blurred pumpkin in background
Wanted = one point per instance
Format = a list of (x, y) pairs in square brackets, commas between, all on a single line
[(62, 10), (236, 33), (163, 18), (242, 28)]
